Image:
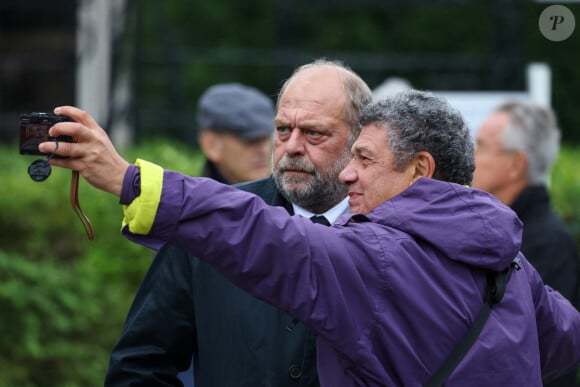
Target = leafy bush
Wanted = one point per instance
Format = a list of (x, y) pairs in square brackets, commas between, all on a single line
[(565, 188), (63, 297), (56, 323)]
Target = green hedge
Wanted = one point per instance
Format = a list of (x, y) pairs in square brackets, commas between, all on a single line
[(64, 298), (565, 188)]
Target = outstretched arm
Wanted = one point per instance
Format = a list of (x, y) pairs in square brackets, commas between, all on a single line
[(92, 153)]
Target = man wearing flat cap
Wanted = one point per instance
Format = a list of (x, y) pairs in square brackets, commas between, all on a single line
[(235, 123)]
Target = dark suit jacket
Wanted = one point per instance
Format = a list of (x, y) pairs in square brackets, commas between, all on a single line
[(184, 308), (549, 246), (546, 241)]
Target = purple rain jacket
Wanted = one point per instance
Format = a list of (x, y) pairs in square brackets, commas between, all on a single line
[(389, 294)]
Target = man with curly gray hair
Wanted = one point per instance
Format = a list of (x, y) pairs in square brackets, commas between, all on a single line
[(516, 147)]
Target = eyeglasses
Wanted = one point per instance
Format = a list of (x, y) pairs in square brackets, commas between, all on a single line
[(484, 150)]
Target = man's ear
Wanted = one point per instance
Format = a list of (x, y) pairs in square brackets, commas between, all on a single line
[(210, 144), (423, 165), (519, 168)]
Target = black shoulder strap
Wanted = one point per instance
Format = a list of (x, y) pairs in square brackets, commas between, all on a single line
[(496, 283)]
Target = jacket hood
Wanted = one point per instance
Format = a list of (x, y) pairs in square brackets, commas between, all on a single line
[(465, 224)]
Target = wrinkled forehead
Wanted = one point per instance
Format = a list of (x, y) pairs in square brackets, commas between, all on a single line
[(316, 87), (312, 113)]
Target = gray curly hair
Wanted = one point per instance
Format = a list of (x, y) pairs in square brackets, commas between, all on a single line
[(420, 121)]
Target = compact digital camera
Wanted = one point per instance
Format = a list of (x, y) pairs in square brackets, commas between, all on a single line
[(34, 130)]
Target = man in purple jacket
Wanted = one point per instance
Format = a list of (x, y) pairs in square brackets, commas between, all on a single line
[(391, 288)]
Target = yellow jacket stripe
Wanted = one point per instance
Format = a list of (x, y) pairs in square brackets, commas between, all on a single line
[(140, 214)]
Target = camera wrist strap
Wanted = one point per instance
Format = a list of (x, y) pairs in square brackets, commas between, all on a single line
[(74, 200)]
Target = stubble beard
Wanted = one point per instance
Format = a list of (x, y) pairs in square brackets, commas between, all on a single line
[(316, 191)]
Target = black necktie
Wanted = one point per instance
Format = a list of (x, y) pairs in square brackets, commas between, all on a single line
[(320, 220)]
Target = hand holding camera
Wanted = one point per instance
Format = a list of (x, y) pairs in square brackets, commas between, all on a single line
[(34, 130), (92, 153), (72, 139)]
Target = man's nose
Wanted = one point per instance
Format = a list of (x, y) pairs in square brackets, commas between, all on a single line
[(295, 144), (348, 174)]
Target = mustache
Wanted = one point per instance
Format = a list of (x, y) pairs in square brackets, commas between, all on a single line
[(302, 165)]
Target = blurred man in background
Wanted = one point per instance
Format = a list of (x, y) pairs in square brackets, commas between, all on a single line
[(235, 125), (516, 147)]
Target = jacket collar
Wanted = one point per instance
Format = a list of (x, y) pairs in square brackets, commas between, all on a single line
[(530, 198)]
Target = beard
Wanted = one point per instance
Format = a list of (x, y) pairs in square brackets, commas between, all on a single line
[(316, 190)]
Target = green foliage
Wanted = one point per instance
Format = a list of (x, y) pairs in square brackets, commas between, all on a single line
[(565, 188), (63, 297), (56, 325)]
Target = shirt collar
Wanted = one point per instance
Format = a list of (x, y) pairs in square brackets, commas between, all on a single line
[(332, 214)]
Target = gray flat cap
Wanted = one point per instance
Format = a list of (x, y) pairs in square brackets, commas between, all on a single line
[(238, 109)]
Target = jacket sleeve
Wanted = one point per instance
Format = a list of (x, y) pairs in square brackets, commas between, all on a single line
[(558, 324), (240, 235), (158, 338)]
